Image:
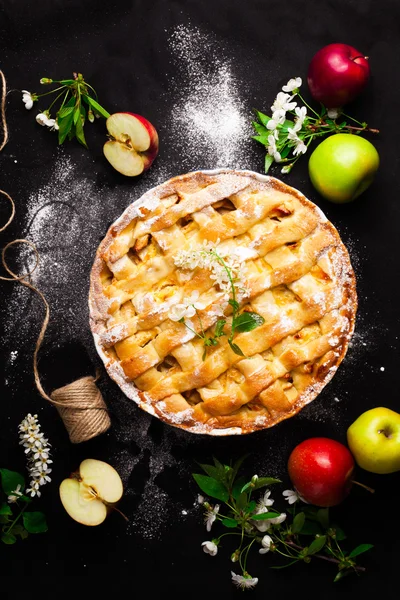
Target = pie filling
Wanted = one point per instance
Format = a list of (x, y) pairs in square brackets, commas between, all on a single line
[(162, 283)]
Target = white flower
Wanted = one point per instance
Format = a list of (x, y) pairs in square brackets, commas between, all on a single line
[(244, 582), (210, 548), (42, 119), (278, 118), (187, 308), (210, 516), (264, 503), (292, 134), (27, 99), (291, 496), (300, 148), (272, 149), (278, 520), (333, 113), (52, 124), (200, 499), (15, 494), (301, 113), (37, 451), (292, 84), (282, 102), (265, 524), (266, 544)]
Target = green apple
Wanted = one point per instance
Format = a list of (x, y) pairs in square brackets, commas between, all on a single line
[(343, 166), (374, 440)]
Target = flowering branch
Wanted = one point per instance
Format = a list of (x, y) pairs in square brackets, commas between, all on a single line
[(70, 118), (228, 273), (250, 520), (281, 134)]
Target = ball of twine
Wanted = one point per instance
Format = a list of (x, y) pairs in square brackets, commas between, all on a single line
[(80, 403)]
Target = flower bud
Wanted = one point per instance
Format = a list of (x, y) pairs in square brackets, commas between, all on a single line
[(90, 116), (45, 80), (235, 555)]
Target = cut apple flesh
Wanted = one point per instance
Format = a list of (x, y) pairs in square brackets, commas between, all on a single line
[(128, 130), (102, 478), (87, 512), (125, 160)]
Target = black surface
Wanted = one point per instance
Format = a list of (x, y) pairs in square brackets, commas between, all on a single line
[(122, 49)]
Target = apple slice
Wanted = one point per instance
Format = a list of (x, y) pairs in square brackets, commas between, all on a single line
[(133, 143), (89, 493)]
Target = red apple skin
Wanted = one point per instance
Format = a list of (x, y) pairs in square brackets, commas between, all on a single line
[(149, 155), (337, 75), (321, 471)]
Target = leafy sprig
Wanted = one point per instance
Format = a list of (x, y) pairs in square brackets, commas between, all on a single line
[(19, 522), (289, 131), (241, 322), (304, 534), (77, 102)]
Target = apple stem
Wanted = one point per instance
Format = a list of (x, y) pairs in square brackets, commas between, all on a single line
[(121, 513), (364, 486)]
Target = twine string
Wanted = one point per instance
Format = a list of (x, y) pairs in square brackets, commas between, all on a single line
[(80, 403)]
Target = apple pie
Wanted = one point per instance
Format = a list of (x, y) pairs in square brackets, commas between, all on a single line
[(222, 302)]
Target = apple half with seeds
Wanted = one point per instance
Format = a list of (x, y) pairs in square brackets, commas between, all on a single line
[(90, 493), (133, 143)]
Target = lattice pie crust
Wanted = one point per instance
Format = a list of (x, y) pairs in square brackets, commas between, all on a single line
[(298, 278)]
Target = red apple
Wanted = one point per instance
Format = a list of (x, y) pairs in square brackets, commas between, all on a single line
[(337, 74), (321, 471), (133, 143)]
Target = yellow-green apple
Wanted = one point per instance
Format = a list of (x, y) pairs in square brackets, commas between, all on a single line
[(321, 471), (90, 493), (343, 166), (374, 440), (133, 143), (337, 74)]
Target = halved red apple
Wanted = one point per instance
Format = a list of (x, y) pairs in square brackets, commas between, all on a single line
[(133, 143)]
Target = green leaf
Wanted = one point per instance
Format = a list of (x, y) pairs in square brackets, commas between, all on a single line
[(8, 538), (235, 348), (360, 549), (246, 486), (219, 328), (251, 506), (5, 509), (260, 129), (287, 124), (248, 321), (65, 126), (4, 519), (342, 573), (265, 481), (268, 162), (211, 471), (79, 132), (285, 151), (310, 528), (262, 118), (340, 534), (238, 464), (316, 545), (96, 107), (323, 517), (34, 522), (65, 111), (262, 139), (266, 515), (241, 502), (237, 487), (233, 303), (10, 480), (231, 523), (298, 522), (211, 487)]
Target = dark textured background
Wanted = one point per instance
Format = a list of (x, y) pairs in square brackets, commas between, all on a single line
[(120, 47)]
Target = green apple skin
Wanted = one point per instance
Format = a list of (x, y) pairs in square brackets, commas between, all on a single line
[(374, 440), (343, 166)]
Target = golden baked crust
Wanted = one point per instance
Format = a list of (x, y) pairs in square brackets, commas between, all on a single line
[(297, 276)]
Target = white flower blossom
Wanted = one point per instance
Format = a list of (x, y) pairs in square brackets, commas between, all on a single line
[(278, 118), (333, 113), (264, 503), (37, 451), (244, 582), (266, 544), (300, 148), (292, 84), (265, 524), (27, 99), (291, 496), (187, 308), (42, 119), (210, 548), (283, 102), (15, 494), (210, 516), (272, 149)]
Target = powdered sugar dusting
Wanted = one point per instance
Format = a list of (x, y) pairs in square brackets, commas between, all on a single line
[(210, 118)]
